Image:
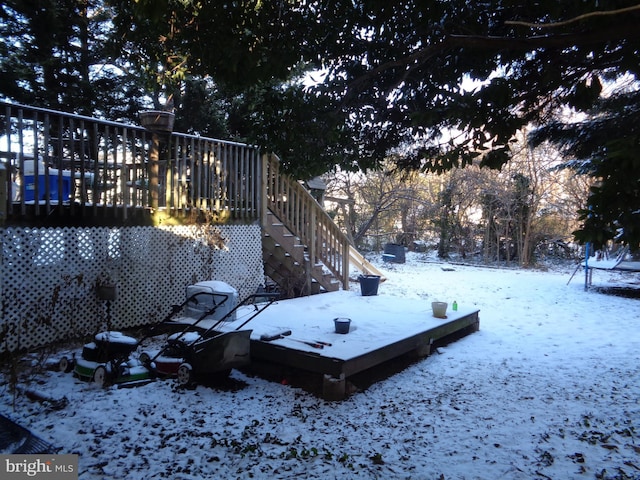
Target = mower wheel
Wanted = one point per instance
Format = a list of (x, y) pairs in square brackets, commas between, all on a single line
[(145, 359), (101, 376), (65, 365), (185, 375)]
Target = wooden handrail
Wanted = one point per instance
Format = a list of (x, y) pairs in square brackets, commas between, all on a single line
[(363, 264)]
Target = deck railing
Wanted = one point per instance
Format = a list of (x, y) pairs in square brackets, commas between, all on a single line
[(70, 166), (54, 159)]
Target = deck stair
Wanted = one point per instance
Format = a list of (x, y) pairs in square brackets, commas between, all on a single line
[(304, 251), (287, 262)]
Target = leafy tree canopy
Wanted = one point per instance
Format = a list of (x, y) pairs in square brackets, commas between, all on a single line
[(393, 72), (61, 54), (605, 146)]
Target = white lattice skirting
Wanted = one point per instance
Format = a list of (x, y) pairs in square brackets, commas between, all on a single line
[(51, 276)]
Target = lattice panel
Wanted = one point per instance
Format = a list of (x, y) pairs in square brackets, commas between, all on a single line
[(51, 277)]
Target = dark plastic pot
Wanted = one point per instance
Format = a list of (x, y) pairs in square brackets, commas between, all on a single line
[(394, 253), (342, 325), (369, 285)]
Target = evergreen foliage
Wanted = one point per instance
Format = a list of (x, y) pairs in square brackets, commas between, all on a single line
[(437, 84)]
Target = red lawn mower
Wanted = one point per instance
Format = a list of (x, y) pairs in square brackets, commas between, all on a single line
[(208, 345)]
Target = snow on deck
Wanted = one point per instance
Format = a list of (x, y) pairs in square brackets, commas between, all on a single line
[(376, 322)]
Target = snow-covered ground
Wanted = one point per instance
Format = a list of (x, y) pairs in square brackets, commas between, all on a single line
[(548, 388)]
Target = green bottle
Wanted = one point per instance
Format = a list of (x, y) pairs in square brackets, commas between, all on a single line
[(455, 306)]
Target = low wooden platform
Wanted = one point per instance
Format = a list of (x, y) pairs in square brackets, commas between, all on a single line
[(382, 328)]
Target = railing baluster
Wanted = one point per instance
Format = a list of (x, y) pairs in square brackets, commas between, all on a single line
[(128, 197), (72, 154), (233, 179), (36, 169), (11, 186), (23, 190), (106, 173), (46, 162)]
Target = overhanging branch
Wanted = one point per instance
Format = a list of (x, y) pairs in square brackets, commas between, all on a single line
[(575, 19), (626, 31)]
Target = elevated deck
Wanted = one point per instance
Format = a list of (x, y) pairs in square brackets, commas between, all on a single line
[(382, 328)]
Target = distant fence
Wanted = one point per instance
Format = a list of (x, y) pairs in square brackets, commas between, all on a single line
[(69, 165)]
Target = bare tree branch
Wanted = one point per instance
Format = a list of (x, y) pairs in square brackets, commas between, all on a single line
[(575, 19)]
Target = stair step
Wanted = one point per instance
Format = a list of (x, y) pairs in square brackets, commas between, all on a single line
[(285, 257), (287, 240)]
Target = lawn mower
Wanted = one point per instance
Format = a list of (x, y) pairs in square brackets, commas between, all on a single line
[(206, 350), (109, 359)]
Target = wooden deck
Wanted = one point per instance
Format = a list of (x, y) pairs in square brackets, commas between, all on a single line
[(383, 328)]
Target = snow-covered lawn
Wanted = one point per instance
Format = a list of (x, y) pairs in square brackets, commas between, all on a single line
[(548, 388)]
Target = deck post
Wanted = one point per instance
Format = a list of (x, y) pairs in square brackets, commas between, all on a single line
[(424, 348), (334, 388), (264, 189), (586, 266), (154, 170)]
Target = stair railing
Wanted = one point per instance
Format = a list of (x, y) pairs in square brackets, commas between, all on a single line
[(296, 208), (362, 264)]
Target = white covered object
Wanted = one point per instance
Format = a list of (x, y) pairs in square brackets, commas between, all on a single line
[(202, 303), (115, 337)]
